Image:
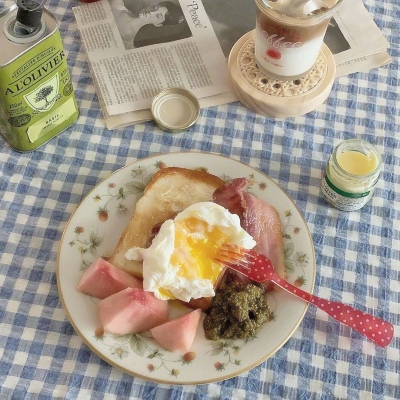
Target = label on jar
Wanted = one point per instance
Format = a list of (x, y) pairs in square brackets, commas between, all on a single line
[(341, 199)]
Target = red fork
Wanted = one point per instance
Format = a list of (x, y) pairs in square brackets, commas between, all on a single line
[(259, 268)]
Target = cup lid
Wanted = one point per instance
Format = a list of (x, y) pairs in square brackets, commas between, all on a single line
[(175, 109)]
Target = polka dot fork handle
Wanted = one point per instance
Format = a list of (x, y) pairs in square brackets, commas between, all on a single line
[(259, 268)]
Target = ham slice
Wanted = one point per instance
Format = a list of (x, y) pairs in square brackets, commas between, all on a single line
[(259, 219), (132, 310), (102, 279), (177, 335)]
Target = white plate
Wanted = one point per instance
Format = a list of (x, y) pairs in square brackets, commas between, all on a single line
[(93, 231)]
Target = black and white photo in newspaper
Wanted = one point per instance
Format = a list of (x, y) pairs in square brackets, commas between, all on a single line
[(143, 23)]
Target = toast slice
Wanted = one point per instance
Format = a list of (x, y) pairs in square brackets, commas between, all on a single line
[(169, 192)]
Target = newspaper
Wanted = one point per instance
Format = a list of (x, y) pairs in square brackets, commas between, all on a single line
[(131, 62)]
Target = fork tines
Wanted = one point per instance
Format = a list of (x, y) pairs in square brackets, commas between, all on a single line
[(230, 254)]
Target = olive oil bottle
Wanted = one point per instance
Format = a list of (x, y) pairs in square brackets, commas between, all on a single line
[(37, 101)]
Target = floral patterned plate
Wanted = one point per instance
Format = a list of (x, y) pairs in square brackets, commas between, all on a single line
[(93, 231)]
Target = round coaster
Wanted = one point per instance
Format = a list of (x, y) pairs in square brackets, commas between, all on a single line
[(276, 98)]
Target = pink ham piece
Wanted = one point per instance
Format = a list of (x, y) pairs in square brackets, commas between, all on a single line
[(177, 335), (132, 310), (257, 218), (102, 279)]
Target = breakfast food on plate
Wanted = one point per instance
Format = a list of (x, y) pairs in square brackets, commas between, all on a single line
[(169, 192), (102, 279), (132, 310), (181, 261), (169, 251), (178, 333), (258, 218)]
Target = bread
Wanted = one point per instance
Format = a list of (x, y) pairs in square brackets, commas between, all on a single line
[(170, 191)]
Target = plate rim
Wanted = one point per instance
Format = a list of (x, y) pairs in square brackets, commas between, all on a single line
[(159, 380)]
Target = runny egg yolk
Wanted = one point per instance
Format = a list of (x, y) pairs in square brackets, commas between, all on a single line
[(195, 249)]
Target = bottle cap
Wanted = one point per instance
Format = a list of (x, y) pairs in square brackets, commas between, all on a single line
[(175, 109), (29, 14)]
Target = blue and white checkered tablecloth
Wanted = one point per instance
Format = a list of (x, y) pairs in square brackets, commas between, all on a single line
[(357, 253)]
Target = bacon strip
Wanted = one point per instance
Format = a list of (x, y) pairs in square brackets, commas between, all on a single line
[(259, 219)]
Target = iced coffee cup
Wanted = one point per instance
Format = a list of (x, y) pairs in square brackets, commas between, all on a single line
[(289, 35)]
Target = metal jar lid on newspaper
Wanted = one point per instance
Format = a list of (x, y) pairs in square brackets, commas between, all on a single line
[(175, 109)]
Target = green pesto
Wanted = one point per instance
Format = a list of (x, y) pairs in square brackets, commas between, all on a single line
[(237, 312)]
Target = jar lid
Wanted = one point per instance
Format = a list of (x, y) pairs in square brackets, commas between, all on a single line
[(175, 109)]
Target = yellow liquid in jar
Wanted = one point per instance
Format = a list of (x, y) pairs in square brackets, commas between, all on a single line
[(356, 163)]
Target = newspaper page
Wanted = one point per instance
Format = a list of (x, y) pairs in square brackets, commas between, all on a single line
[(131, 61), (135, 53)]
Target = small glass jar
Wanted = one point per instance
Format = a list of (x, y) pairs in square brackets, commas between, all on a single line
[(351, 174)]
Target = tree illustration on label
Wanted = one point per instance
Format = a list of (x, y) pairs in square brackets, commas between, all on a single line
[(275, 54), (43, 97), (43, 93)]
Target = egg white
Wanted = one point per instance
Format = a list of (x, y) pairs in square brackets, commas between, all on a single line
[(161, 277)]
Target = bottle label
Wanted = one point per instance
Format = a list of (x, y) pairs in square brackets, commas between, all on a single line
[(341, 199)]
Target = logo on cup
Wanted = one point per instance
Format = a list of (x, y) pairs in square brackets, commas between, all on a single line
[(275, 54)]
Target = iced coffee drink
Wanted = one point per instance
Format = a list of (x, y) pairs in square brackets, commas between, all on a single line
[(289, 35)]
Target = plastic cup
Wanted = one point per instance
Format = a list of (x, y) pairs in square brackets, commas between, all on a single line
[(289, 35)]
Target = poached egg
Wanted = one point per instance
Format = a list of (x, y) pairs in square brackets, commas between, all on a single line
[(180, 263)]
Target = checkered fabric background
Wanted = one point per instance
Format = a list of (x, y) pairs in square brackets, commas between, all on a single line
[(41, 356)]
